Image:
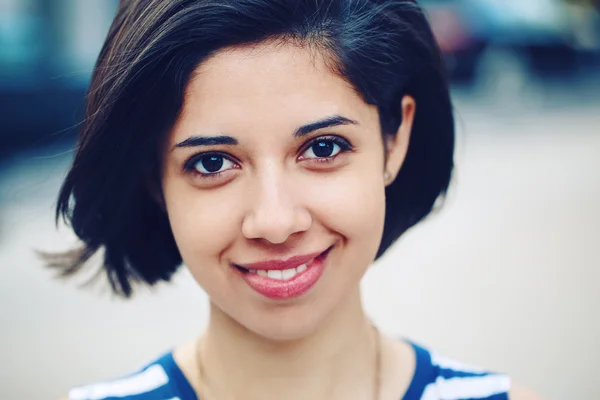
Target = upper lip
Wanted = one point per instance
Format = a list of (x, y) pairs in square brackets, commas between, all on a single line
[(290, 263)]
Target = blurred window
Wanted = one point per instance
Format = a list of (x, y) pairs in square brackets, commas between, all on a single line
[(46, 43), (21, 39)]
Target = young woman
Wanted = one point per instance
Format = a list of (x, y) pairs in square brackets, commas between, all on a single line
[(276, 149)]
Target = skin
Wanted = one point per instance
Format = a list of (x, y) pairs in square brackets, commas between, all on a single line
[(278, 201), (274, 200)]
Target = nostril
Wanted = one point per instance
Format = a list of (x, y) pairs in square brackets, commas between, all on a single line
[(275, 223)]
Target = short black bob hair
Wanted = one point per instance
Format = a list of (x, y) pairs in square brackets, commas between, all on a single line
[(384, 48)]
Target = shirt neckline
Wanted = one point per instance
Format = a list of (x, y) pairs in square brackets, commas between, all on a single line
[(419, 381)]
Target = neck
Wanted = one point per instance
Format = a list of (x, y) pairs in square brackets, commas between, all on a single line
[(335, 361)]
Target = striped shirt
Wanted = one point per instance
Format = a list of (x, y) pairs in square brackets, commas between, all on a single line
[(435, 378)]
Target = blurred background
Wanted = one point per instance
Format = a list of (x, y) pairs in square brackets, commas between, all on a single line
[(506, 276)]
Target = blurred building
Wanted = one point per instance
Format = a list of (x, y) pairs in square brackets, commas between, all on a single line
[(47, 52), (48, 49), (544, 37)]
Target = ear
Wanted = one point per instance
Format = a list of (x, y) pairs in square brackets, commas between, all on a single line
[(396, 146)]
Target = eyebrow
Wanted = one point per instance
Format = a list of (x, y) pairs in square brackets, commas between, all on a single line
[(328, 122), (334, 120), (196, 141)]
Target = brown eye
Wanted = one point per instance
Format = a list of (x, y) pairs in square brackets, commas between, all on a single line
[(322, 148), (209, 164)]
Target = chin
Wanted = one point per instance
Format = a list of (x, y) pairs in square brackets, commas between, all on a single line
[(332, 294), (285, 328)]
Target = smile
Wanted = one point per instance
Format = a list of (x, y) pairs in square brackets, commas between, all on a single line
[(282, 275), (277, 279)]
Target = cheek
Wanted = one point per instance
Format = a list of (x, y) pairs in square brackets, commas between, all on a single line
[(202, 223), (352, 204)]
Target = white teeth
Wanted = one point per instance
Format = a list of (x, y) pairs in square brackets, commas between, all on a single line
[(288, 273), (283, 275), (302, 267), (274, 274)]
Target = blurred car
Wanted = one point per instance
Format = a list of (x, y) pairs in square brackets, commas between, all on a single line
[(539, 36)]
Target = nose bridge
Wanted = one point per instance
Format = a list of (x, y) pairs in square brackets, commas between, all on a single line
[(274, 213), (272, 195)]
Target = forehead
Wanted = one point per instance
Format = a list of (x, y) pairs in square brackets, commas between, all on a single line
[(266, 86)]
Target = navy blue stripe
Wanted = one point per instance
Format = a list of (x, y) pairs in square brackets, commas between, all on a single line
[(423, 376), (447, 373), (180, 385), (426, 373)]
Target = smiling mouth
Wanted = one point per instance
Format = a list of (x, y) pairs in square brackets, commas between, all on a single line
[(280, 280), (281, 274)]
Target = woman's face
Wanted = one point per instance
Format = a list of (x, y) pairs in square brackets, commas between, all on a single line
[(277, 161)]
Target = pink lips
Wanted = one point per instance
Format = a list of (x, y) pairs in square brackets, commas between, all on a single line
[(292, 262), (277, 289)]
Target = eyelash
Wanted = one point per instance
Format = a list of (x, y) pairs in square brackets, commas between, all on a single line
[(344, 145), (190, 165)]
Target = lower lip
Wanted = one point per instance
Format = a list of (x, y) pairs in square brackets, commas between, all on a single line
[(279, 290)]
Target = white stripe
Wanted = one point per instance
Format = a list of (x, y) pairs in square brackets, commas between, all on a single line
[(466, 388), (430, 393), (447, 363), (148, 380)]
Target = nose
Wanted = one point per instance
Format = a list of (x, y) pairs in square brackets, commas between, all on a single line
[(275, 213)]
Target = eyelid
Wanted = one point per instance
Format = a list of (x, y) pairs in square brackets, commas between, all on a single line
[(189, 165), (339, 140)]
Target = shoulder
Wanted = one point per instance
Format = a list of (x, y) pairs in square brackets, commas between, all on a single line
[(159, 379), (437, 376)]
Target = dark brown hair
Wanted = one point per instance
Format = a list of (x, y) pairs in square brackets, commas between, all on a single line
[(385, 49)]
